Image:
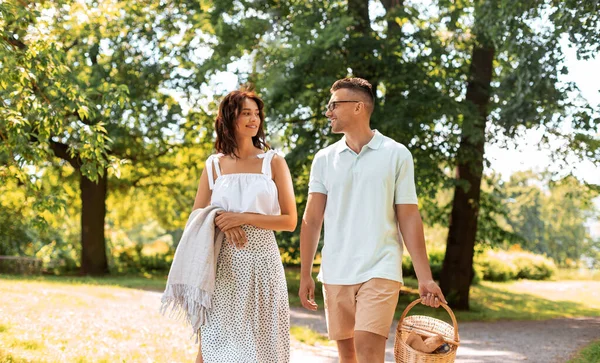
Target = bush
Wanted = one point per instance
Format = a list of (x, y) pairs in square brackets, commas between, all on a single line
[(131, 261), (20, 265), (407, 266), (160, 262), (492, 265), (59, 257), (436, 261), (505, 266), (534, 267), (477, 274), (147, 248), (496, 266)]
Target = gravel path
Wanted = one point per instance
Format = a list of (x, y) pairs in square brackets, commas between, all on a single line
[(505, 341)]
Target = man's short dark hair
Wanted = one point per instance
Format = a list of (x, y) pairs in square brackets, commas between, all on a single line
[(356, 84)]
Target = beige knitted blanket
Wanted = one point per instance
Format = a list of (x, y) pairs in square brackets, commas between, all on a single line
[(191, 281)]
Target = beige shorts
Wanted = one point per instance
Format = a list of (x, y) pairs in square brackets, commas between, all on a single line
[(368, 306)]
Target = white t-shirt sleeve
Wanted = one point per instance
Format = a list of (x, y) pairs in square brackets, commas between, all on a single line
[(316, 182), (405, 191)]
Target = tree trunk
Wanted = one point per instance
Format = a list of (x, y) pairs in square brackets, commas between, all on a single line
[(390, 7), (394, 90), (361, 44), (93, 211), (457, 272)]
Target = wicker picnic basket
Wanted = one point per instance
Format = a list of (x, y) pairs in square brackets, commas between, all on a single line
[(425, 326)]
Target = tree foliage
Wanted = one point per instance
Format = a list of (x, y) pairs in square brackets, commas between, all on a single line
[(91, 83), (552, 216)]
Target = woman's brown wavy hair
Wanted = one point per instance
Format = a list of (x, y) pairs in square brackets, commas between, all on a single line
[(229, 109)]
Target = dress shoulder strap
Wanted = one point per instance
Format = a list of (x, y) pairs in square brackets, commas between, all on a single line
[(266, 165), (212, 162)]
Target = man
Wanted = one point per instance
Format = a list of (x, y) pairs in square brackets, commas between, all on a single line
[(363, 188)]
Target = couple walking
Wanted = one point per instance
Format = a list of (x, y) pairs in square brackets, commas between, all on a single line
[(362, 187)]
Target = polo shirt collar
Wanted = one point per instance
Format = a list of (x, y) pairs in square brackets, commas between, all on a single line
[(374, 144)]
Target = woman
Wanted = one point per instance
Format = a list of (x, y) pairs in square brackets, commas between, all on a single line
[(249, 320)]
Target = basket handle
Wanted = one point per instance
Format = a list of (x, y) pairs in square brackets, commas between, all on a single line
[(446, 307)]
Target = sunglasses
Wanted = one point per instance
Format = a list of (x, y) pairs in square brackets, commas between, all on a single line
[(331, 105)]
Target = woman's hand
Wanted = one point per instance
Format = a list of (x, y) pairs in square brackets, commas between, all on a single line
[(227, 220), (236, 237)]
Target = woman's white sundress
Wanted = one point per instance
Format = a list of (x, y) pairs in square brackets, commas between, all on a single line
[(250, 319)]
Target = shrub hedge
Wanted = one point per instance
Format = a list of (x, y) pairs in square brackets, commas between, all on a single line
[(494, 265)]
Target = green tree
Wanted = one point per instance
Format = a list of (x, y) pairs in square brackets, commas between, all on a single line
[(525, 200), (551, 216), (512, 84), (87, 83)]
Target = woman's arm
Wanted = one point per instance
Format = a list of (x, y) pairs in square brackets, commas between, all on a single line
[(287, 202), (204, 193), (236, 236)]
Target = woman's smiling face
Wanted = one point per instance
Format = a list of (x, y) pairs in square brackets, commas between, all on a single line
[(248, 121)]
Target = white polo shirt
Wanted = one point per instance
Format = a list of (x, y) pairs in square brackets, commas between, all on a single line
[(362, 239)]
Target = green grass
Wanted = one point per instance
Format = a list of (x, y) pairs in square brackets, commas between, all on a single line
[(309, 336), (589, 354), (576, 274)]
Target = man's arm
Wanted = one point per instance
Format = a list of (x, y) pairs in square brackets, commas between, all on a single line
[(411, 227), (312, 221)]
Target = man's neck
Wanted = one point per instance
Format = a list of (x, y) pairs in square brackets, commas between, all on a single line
[(357, 139)]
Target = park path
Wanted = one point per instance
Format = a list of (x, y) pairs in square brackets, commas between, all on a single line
[(545, 341)]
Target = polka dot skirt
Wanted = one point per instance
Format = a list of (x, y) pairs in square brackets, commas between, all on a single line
[(250, 318)]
